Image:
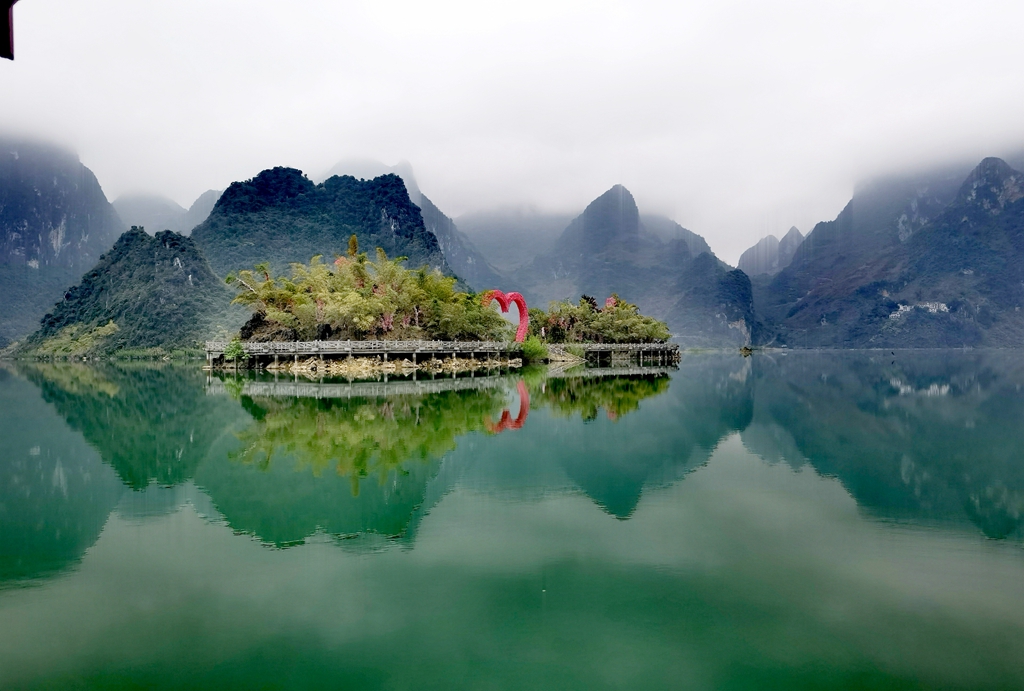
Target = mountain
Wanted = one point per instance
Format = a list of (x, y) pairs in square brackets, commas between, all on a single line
[(884, 212), (770, 255), (459, 251), (200, 210), (55, 222), (154, 212), (950, 276), (146, 292), (608, 249), (669, 231), (280, 216)]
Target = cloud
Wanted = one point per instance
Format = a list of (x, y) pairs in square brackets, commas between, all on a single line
[(735, 118)]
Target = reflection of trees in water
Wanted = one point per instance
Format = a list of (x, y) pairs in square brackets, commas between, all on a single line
[(300, 465), (912, 435), (617, 396), (358, 438)]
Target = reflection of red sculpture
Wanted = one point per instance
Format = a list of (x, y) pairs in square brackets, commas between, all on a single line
[(504, 301), (506, 421)]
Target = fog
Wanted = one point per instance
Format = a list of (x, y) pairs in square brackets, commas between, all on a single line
[(736, 119)]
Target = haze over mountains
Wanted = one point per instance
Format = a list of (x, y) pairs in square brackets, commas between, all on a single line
[(771, 255), (608, 249), (923, 259), (155, 213)]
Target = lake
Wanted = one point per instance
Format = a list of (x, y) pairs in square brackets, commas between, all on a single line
[(791, 520)]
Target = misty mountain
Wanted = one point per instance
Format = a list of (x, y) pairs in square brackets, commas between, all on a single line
[(669, 231), (158, 290), (770, 255), (512, 238), (911, 265), (280, 216), (462, 256), (154, 212), (607, 249), (368, 169), (150, 211), (55, 222)]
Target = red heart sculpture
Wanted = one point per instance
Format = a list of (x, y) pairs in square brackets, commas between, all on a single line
[(504, 301)]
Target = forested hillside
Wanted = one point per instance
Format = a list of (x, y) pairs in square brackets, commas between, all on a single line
[(146, 292), (280, 216)]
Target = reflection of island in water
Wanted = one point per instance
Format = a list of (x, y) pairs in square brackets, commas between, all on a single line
[(348, 466)]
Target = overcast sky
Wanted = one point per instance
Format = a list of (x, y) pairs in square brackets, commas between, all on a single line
[(734, 118)]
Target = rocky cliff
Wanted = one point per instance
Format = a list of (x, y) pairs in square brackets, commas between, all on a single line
[(945, 270), (55, 222)]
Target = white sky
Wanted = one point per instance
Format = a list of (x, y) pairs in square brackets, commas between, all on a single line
[(735, 118)]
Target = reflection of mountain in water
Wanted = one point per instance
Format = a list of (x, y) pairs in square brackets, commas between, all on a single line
[(151, 423), (920, 437), (373, 465), (911, 435), (614, 457), (55, 493)]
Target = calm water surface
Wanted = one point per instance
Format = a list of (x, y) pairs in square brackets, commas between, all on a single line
[(789, 521)]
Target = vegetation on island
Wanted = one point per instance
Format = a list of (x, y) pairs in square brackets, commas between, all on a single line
[(356, 298), (617, 321)]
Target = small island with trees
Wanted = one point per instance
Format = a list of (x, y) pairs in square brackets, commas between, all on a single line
[(358, 316)]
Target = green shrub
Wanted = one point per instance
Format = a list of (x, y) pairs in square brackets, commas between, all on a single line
[(534, 350), (235, 350), (617, 321)]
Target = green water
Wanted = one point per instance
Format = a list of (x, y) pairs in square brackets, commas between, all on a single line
[(786, 521)]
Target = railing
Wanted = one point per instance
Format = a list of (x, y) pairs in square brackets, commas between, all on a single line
[(376, 347), (364, 347)]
